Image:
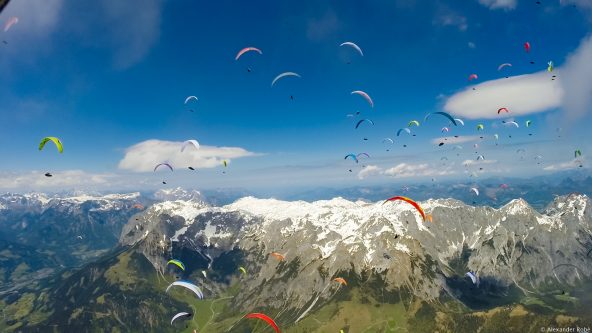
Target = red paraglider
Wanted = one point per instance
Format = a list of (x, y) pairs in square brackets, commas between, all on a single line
[(265, 318), (413, 203)]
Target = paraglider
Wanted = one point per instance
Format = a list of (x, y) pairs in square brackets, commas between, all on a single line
[(177, 263), (340, 280), (362, 154), (356, 47), (459, 121), (265, 318), (53, 139), (577, 153), (194, 143), (243, 270), (480, 127), (278, 256), (496, 136), (503, 109), (189, 98), (527, 47), (363, 120), (480, 157), (186, 284), (245, 50), (163, 164), (473, 277), (550, 66), (528, 123), (353, 157), (445, 129), (413, 122), (403, 129), (512, 123), (388, 140), (365, 96), (285, 74), (452, 120), (225, 163), (411, 202), (11, 21), (502, 66), (473, 77), (476, 190), (179, 315)]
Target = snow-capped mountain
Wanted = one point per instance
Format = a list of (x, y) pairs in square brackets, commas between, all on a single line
[(510, 248)]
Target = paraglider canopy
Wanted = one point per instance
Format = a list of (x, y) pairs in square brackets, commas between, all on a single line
[(353, 45), (365, 96), (285, 74), (413, 203), (53, 139), (245, 50), (265, 318)]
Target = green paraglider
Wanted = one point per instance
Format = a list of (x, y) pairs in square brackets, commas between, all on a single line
[(53, 139)]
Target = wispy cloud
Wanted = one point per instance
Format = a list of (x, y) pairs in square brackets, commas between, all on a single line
[(569, 165), (143, 156), (404, 170), (323, 27), (532, 93), (64, 179), (499, 4), (446, 17), (456, 140)]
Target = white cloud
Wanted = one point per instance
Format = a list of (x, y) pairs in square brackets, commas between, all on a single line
[(471, 45), (480, 162), (532, 93), (447, 17), (404, 170), (369, 170), (456, 140), (63, 179), (576, 80), (143, 156), (524, 94), (499, 4), (573, 164), (35, 17)]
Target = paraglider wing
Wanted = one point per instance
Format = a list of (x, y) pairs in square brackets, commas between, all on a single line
[(413, 203), (500, 67), (363, 120), (278, 256), (445, 129), (473, 277), (473, 77), (285, 74), (480, 127), (403, 129), (476, 190), (179, 315), (353, 156), (53, 139), (503, 109), (225, 163), (340, 280), (512, 123), (460, 121), (243, 270), (452, 120), (163, 164), (354, 46), (186, 284), (577, 153), (363, 154), (388, 140), (245, 50), (11, 21), (413, 122), (176, 262), (190, 142), (190, 98), (528, 123), (265, 318), (550, 66), (365, 95), (527, 47)]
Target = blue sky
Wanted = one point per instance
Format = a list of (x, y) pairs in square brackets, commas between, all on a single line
[(106, 76)]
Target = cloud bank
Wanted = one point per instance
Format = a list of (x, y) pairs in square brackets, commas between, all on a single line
[(143, 156)]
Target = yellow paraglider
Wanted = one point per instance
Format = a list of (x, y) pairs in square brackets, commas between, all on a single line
[(53, 139)]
